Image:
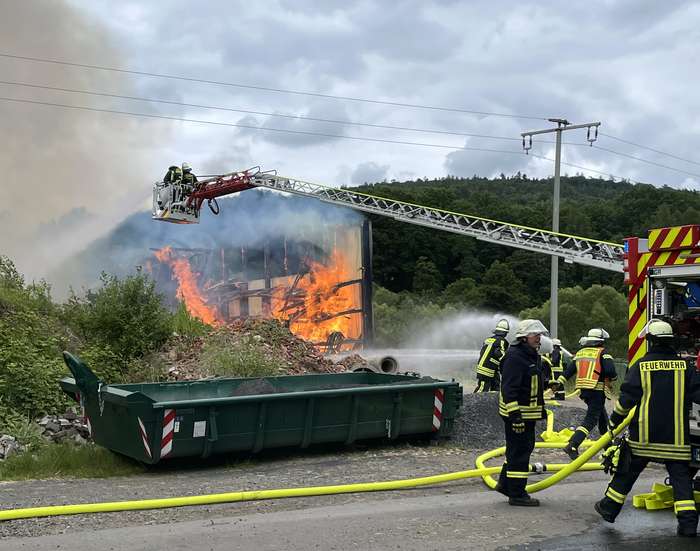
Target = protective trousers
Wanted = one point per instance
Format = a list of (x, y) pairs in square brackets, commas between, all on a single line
[(519, 446), (595, 415), (487, 384), (680, 474)]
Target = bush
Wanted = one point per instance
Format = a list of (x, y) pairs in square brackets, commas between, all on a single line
[(103, 361), (30, 355), (125, 315)]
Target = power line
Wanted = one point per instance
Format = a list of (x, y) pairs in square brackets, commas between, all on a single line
[(338, 97), (269, 89), (650, 149), (303, 132), (269, 114), (318, 119), (640, 159)]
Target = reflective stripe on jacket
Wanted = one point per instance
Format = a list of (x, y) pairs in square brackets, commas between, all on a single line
[(522, 383), (490, 356), (662, 386)]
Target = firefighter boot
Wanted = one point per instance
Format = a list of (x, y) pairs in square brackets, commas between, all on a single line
[(608, 509), (571, 448), (524, 501), (687, 524), (571, 451)]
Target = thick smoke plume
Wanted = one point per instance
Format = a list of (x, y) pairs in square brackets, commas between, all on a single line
[(247, 219), (68, 175)]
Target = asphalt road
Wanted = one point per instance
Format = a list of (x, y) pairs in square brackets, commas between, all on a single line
[(460, 516)]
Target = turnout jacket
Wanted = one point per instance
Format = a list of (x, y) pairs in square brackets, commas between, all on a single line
[(662, 385), (490, 356), (593, 366), (521, 383), (556, 361)]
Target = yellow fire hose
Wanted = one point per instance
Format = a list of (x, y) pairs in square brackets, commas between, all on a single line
[(561, 471)]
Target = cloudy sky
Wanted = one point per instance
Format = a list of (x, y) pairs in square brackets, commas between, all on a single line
[(70, 175)]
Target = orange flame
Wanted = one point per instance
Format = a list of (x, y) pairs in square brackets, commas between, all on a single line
[(187, 290), (319, 305)]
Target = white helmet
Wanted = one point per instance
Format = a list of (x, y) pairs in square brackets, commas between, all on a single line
[(556, 342), (584, 341), (546, 345), (186, 166), (657, 328), (598, 334), (502, 326), (530, 327)]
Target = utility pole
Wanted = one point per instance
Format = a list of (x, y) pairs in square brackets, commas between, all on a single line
[(562, 125)]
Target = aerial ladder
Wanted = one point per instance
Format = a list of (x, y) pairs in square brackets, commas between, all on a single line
[(175, 202)]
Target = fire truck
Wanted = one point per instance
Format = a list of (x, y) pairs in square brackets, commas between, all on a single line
[(662, 274), (662, 271)]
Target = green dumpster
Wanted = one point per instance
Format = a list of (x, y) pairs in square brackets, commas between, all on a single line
[(155, 421)]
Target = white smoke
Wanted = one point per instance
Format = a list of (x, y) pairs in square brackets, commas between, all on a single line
[(68, 175), (446, 348)]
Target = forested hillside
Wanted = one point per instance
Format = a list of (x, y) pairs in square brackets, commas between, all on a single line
[(439, 264)]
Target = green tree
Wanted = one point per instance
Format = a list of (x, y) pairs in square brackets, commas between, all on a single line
[(581, 310), (502, 290), (463, 292), (126, 315), (427, 279)]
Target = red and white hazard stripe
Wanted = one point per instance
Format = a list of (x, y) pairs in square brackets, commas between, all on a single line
[(437, 408), (144, 438), (166, 442)]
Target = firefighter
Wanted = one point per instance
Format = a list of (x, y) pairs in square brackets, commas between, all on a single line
[(555, 364), (594, 369), (556, 359), (662, 386), (173, 175), (188, 178), (490, 356), (521, 405)]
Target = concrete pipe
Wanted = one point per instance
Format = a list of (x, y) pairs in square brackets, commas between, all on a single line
[(385, 364)]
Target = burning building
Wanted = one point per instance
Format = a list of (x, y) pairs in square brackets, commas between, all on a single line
[(320, 286)]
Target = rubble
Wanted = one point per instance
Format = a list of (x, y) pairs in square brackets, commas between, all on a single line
[(354, 362), (67, 427), (9, 446), (182, 356)]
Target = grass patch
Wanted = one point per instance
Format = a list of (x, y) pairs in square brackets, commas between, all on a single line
[(246, 357), (67, 461)]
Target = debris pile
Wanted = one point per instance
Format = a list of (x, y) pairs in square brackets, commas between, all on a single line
[(68, 427), (182, 356), (9, 446), (353, 362)]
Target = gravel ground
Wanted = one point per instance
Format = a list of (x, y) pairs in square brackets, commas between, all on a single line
[(478, 429), (479, 426)]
